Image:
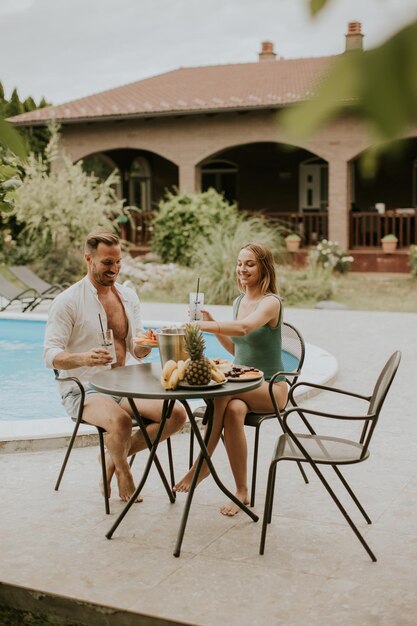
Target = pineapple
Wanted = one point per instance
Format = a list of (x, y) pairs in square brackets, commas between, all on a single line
[(198, 368)]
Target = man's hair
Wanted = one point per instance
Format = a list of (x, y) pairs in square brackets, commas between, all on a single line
[(100, 236)]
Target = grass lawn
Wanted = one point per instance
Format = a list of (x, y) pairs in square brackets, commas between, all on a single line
[(377, 292)]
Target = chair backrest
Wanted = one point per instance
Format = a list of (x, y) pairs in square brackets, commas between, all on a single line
[(8, 290), (293, 350), (383, 383), (379, 394), (29, 278)]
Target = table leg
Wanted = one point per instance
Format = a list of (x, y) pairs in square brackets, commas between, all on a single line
[(142, 426), (204, 455), (166, 412)]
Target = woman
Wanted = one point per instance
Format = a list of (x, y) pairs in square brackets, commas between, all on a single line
[(254, 338)]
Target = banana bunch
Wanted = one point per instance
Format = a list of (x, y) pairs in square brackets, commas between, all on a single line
[(216, 373), (173, 373)]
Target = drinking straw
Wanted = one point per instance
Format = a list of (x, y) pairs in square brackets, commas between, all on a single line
[(102, 329), (196, 293)]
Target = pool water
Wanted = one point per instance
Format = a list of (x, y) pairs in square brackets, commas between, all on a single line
[(27, 388)]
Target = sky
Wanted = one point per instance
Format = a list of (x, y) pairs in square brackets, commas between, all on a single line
[(67, 49)]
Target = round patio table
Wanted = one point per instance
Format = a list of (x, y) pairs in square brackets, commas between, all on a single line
[(143, 381)]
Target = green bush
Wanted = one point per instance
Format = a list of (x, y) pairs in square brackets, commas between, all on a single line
[(215, 260), (183, 219), (304, 287), (57, 209)]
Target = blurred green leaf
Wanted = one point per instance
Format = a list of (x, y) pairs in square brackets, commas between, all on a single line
[(10, 138), (316, 6), (380, 86), (5, 208)]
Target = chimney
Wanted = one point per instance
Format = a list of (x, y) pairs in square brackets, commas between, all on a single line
[(267, 51), (354, 37)]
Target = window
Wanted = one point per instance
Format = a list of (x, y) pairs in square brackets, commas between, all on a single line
[(221, 176), (313, 185), (140, 184)]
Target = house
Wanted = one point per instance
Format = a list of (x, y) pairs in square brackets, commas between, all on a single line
[(218, 126)]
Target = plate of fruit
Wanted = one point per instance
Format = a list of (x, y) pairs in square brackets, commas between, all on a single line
[(148, 339), (198, 371), (242, 373)]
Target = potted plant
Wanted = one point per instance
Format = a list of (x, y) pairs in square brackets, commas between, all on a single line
[(389, 243), (292, 242)]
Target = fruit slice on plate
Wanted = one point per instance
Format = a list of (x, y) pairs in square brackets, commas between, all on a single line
[(242, 373), (147, 339)]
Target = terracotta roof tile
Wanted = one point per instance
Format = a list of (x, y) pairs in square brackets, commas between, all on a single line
[(196, 89)]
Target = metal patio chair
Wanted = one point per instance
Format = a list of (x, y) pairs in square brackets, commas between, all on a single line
[(317, 449), (78, 419), (293, 354)]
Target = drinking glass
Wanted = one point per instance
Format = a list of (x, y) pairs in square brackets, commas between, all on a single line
[(105, 340), (195, 304)]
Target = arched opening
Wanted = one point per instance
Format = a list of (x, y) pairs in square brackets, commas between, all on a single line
[(273, 179), (101, 165), (384, 199)]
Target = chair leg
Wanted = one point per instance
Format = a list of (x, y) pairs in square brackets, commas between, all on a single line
[(132, 458), (303, 474), (171, 462), (104, 470), (271, 504), (352, 495), (254, 466), (269, 497), (191, 453), (343, 511), (68, 452)]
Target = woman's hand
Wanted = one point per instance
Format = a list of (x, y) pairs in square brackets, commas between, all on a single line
[(207, 316)]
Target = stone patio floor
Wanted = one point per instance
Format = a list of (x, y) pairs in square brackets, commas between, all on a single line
[(314, 571)]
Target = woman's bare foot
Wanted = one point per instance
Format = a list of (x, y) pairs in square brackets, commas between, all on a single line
[(126, 485), (183, 486), (109, 473), (231, 508)]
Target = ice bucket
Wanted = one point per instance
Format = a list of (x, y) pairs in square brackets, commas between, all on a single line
[(171, 343)]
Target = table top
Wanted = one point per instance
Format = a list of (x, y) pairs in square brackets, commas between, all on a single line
[(143, 381)]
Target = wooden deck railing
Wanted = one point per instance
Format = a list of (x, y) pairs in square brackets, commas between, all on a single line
[(367, 228), (312, 227), (140, 230)]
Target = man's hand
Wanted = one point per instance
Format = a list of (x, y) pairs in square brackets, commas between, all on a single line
[(97, 356)]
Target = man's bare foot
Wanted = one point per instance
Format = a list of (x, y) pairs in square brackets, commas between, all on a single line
[(183, 486), (231, 508), (109, 473), (126, 485)]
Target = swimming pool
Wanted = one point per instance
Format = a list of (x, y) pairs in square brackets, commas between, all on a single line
[(28, 390)]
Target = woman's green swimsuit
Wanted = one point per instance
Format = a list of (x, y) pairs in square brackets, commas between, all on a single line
[(260, 348)]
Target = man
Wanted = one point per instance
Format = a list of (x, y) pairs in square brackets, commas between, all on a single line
[(71, 344)]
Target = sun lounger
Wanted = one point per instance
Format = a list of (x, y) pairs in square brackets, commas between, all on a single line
[(28, 298), (32, 280)]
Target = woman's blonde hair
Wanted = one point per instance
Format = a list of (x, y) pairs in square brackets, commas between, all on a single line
[(266, 265)]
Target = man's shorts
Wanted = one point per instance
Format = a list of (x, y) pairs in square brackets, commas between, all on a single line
[(71, 400)]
